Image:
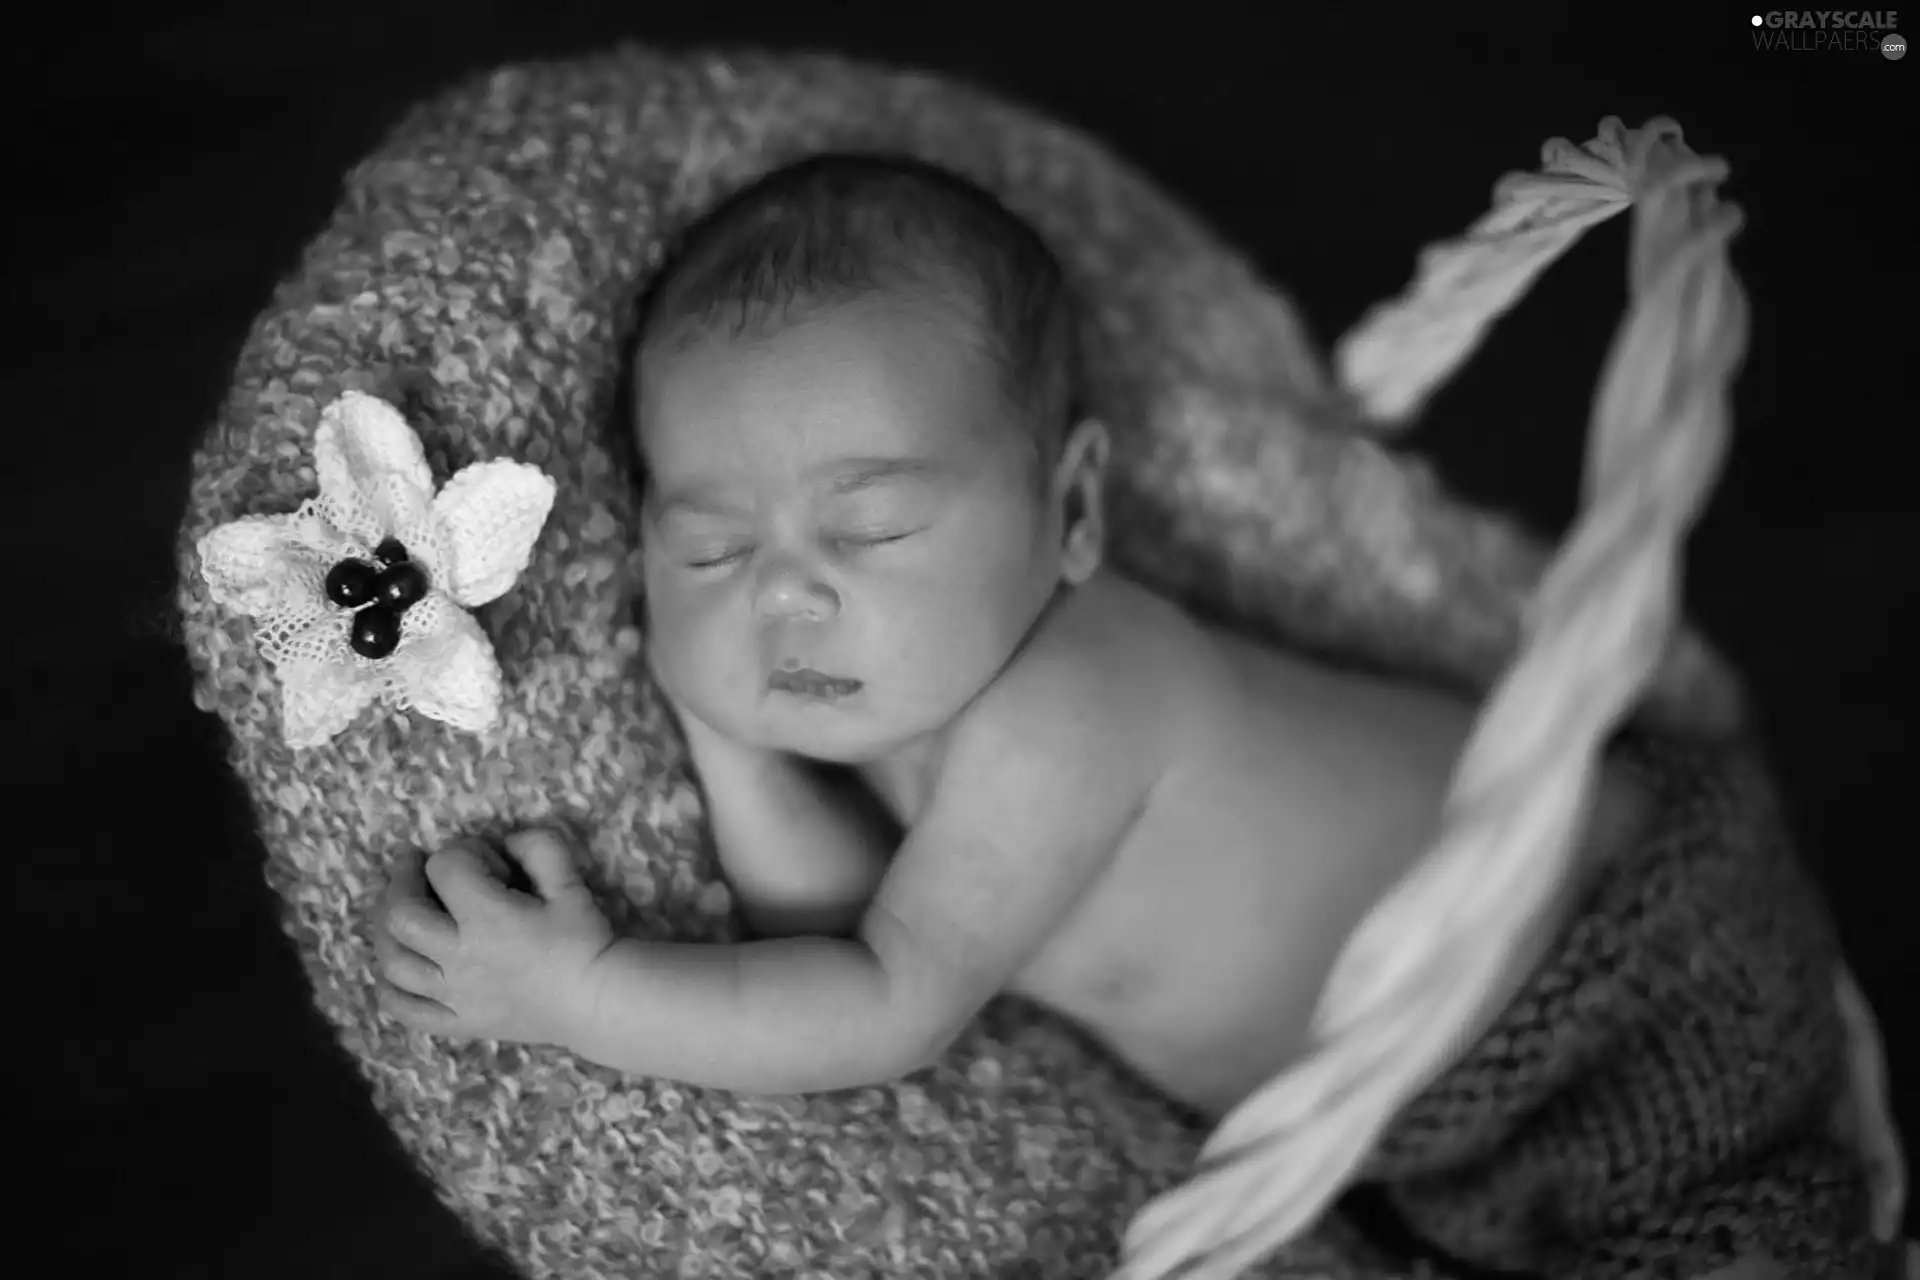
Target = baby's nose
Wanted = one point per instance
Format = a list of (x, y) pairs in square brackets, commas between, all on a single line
[(790, 593)]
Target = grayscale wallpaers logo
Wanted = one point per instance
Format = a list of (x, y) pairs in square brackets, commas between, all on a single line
[(1830, 31)]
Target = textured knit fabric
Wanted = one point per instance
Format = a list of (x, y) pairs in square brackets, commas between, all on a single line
[(480, 273), (1658, 1099)]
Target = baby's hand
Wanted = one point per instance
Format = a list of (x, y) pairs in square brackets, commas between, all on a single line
[(485, 960)]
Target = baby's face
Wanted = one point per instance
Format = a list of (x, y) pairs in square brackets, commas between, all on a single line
[(844, 538)]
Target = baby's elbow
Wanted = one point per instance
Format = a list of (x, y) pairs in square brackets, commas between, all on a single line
[(867, 1061), (928, 1010), (925, 1049), (925, 1036)]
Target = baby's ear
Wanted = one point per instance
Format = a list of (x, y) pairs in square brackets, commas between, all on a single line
[(1081, 480)]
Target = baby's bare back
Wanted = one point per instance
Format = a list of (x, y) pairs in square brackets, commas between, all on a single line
[(1290, 798)]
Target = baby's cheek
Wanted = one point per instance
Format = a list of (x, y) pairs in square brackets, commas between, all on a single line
[(674, 631), (955, 636)]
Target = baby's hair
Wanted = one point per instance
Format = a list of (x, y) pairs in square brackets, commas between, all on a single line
[(841, 226)]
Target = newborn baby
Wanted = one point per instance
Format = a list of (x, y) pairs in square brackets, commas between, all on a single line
[(873, 525), (948, 754)]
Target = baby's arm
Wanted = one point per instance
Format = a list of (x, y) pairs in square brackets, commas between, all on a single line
[(1037, 787), (802, 845)]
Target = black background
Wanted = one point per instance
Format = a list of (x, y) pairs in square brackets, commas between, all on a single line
[(185, 1112)]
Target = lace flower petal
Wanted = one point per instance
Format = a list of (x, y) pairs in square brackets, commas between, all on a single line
[(242, 562), (372, 469), (448, 670), (410, 515), (301, 624), (491, 513), (319, 698)]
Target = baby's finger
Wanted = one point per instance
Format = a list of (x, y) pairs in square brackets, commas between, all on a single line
[(464, 875), (416, 1011), (487, 856), (547, 869), (507, 871), (412, 912), (407, 881), (405, 968)]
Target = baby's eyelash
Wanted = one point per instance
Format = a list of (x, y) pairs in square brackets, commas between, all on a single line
[(853, 541), (716, 561), (869, 539)]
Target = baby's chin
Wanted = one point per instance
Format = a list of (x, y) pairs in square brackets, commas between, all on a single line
[(850, 731), (827, 735)]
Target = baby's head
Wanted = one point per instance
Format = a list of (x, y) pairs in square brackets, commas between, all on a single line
[(866, 476)]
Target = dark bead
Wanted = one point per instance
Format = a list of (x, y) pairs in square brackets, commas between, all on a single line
[(399, 586), (350, 583), (391, 552), (376, 631)]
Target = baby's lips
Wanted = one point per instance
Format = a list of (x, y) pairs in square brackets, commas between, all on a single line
[(791, 678)]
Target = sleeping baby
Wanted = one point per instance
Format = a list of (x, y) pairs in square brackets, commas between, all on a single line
[(948, 754)]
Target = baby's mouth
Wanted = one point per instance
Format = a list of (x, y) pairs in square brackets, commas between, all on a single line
[(805, 682)]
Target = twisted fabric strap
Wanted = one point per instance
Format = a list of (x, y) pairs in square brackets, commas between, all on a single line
[(1402, 350), (1424, 972)]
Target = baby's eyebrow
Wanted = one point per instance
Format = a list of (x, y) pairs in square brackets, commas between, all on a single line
[(694, 501), (853, 474), (848, 475)]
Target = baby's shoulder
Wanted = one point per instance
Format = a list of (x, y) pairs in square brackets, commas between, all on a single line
[(1059, 752)]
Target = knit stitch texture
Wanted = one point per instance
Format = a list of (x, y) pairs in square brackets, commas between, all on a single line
[(480, 273), (1658, 1098)]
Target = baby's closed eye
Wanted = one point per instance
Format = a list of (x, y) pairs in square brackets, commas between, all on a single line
[(716, 558), (715, 553), (707, 548), (700, 541), (873, 536), (871, 520)]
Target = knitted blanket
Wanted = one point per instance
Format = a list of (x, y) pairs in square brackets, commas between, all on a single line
[(1658, 1098), (479, 272)]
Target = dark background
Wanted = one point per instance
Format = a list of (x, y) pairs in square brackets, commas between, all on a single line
[(193, 1118)]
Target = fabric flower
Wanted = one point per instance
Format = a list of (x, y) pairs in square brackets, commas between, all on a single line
[(471, 541)]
